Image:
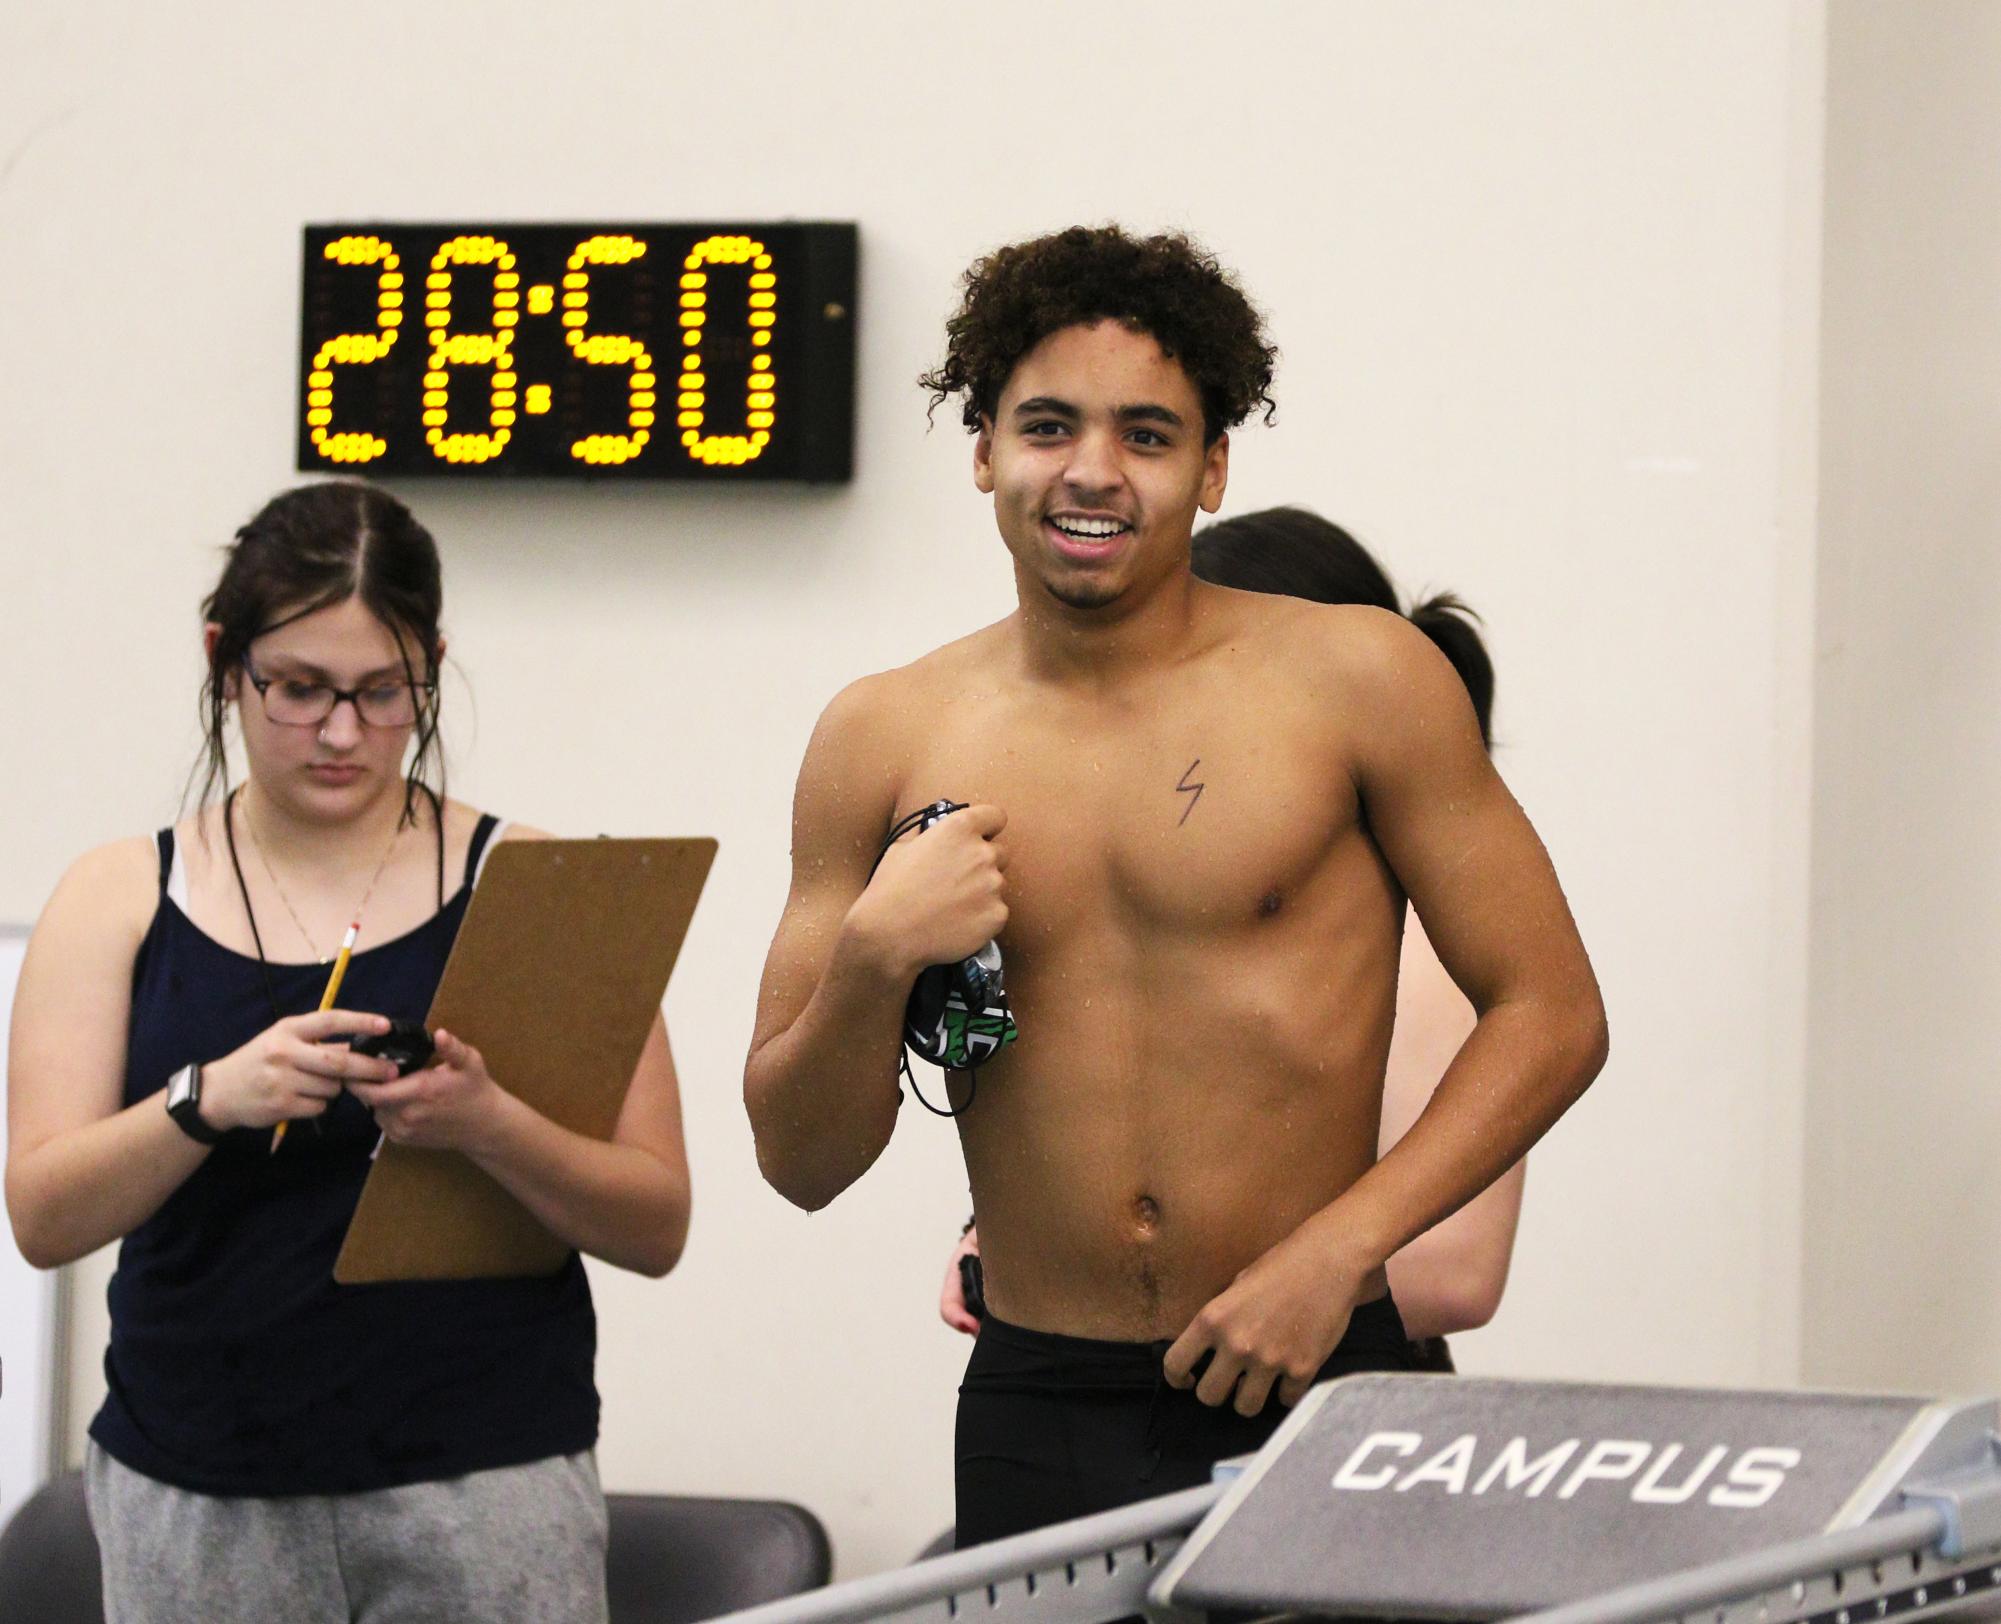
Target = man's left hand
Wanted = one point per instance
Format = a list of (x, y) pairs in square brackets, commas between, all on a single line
[(449, 1105), (1275, 1325)]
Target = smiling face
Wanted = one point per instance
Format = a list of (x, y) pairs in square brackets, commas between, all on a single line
[(1095, 461), (339, 768)]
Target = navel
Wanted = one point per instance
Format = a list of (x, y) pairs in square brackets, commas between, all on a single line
[(1146, 1213), (1270, 903)]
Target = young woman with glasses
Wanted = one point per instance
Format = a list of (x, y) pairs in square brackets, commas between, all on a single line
[(274, 1445)]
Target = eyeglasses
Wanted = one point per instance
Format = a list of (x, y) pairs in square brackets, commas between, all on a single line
[(292, 703)]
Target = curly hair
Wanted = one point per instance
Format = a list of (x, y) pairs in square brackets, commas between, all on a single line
[(1166, 286)]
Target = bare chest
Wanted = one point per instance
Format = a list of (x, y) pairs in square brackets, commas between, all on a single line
[(1193, 817)]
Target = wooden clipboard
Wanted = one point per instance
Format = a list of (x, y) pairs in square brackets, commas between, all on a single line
[(556, 977)]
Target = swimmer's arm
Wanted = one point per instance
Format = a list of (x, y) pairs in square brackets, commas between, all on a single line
[(1451, 1277), (1485, 891), (820, 1082), (1489, 900), (81, 1170)]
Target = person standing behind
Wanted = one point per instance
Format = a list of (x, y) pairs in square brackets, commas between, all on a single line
[(274, 1445), (1451, 1277)]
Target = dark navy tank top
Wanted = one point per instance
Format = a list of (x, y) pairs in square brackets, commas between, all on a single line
[(236, 1365)]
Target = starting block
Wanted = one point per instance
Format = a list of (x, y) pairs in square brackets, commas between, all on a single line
[(1448, 1497)]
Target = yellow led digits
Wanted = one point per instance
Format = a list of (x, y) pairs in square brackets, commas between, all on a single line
[(760, 397), (493, 348), (620, 349), (607, 350), (354, 350)]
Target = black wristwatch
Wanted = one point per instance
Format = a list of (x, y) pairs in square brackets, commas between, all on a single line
[(184, 1106)]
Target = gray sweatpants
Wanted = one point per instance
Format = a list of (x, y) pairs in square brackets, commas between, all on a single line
[(520, 1543)]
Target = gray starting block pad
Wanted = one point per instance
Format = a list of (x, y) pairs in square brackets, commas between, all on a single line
[(1437, 1497), (1448, 1498)]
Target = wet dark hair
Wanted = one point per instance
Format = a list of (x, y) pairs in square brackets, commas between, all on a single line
[(308, 549), (1166, 286), (1293, 551)]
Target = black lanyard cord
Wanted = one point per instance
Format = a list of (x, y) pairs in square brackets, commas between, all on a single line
[(243, 889), (922, 818)]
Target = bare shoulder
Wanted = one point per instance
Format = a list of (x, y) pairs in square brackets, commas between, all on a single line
[(109, 893), (859, 759), (1374, 659), (1363, 681), (875, 720), (1316, 647), (460, 819), (888, 704), (1356, 639), (121, 871), (457, 824), (977, 654), (855, 761), (866, 708)]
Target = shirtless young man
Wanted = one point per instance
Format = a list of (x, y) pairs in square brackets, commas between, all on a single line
[(1196, 816)]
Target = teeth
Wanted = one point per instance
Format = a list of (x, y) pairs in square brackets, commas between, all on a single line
[(1090, 529)]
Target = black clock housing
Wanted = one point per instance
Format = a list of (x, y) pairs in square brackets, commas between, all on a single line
[(713, 351)]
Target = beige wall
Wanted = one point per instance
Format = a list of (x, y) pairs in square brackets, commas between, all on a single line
[(1903, 1115), (1544, 276)]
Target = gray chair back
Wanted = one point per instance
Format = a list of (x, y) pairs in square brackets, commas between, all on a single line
[(674, 1559), (48, 1559)]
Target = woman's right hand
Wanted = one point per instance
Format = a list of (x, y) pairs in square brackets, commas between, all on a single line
[(291, 1070)]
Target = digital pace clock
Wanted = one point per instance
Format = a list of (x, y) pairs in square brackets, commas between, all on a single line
[(601, 350)]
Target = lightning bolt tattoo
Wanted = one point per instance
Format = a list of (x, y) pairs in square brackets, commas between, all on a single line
[(1192, 791)]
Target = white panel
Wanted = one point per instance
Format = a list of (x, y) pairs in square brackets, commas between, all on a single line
[(30, 1343)]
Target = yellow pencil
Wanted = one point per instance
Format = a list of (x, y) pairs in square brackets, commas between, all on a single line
[(326, 1003)]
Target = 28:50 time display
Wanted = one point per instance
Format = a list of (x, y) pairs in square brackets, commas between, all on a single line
[(597, 350)]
